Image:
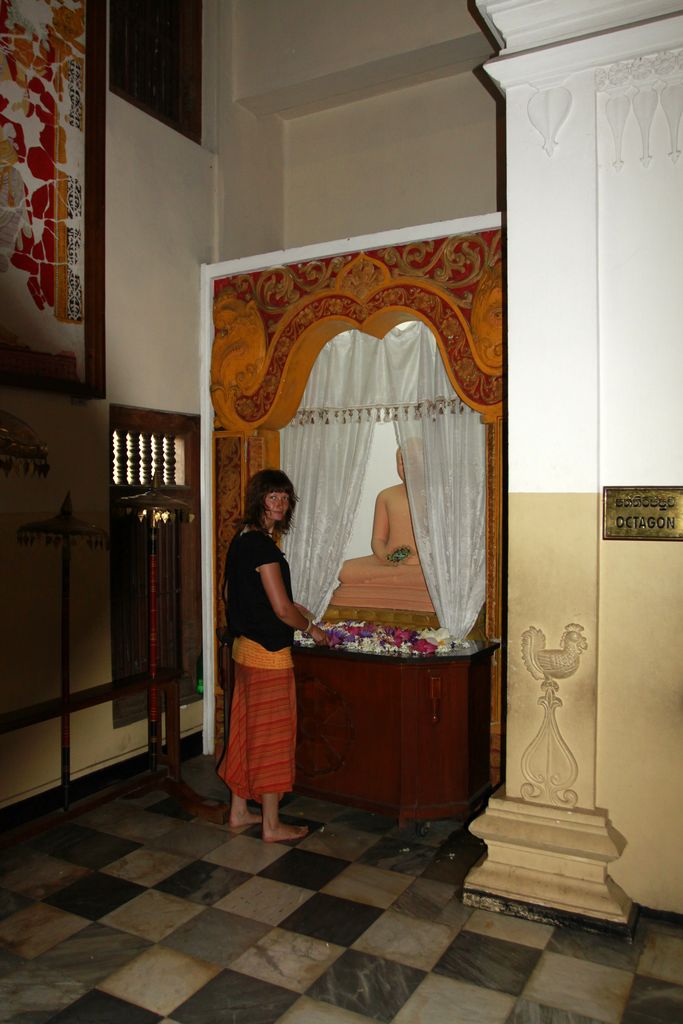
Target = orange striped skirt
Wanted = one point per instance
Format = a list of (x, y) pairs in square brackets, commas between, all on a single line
[(262, 743)]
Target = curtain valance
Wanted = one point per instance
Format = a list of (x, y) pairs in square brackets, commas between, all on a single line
[(427, 408)]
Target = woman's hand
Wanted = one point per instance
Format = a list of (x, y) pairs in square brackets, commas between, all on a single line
[(319, 636), (289, 611)]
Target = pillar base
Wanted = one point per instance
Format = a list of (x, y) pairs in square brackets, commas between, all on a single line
[(548, 864)]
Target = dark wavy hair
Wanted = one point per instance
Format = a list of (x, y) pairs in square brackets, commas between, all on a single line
[(261, 484)]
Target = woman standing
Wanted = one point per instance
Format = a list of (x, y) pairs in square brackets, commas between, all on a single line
[(262, 617)]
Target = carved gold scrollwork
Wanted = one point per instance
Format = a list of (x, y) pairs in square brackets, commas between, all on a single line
[(455, 263), (263, 321), (281, 287), (361, 277), (228, 479), (269, 326), (487, 321), (239, 348)]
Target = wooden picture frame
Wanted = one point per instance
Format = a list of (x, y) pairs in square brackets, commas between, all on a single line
[(56, 250)]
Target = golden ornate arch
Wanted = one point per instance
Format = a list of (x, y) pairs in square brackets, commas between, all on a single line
[(270, 325)]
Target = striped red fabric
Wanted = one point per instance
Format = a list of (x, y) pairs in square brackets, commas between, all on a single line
[(262, 742)]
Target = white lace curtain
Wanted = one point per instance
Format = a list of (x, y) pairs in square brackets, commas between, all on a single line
[(357, 381), (447, 495)]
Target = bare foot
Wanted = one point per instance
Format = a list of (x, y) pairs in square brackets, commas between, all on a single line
[(246, 818), (283, 833)]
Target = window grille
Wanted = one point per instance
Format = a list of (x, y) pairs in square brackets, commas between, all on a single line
[(155, 59), (139, 456)]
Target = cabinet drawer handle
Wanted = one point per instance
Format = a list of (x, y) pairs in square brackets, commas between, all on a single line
[(435, 695)]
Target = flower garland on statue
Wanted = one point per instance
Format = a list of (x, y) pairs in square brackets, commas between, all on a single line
[(398, 555), (374, 638)]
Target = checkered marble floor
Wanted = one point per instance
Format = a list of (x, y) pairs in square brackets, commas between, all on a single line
[(134, 913)]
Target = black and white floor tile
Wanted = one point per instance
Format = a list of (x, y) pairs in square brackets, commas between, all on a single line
[(134, 913)]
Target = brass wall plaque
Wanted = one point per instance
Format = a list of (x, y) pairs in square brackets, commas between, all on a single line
[(642, 513)]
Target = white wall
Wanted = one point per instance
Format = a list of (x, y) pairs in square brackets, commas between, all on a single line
[(552, 299), (641, 309)]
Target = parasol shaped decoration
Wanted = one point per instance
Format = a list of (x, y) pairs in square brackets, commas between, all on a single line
[(20, 449), (156, 507), (63, 530)]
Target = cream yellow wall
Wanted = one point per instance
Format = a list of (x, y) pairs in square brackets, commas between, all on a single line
[(640, 714), (76, 434), (414, 156), (635, 650), (312, 52), (330, 103), (159, 223), (159, 229), (249, 190), (635, 653), (553, 539)]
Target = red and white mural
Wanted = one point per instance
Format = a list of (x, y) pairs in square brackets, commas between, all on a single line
[(42, 190)]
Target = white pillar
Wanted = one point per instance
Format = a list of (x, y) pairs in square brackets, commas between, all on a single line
[(549, 846)]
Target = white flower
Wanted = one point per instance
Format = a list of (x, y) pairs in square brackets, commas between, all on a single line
[(441, 637)]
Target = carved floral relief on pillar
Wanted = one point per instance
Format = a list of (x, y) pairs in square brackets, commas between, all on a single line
[(636, 93), (548, 109)]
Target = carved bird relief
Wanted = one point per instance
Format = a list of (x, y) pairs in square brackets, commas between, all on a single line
[(548, 765), (553, 664)]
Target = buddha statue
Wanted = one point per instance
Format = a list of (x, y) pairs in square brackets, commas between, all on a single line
[(391, 577)]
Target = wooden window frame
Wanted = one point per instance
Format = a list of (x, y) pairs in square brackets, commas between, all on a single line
[(189, 69), (186, 572)]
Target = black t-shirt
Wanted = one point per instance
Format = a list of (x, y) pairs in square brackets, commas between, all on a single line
[(250, 613)]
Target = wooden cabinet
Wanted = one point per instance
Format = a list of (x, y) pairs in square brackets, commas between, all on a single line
[(405, 737)]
